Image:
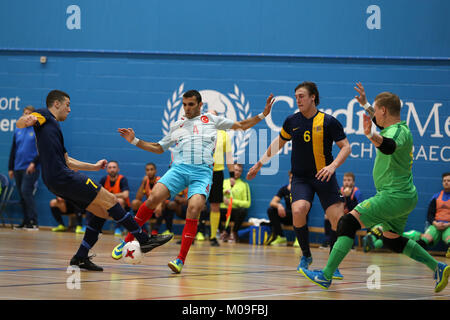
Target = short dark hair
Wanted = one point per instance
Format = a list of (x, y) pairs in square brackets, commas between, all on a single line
[(445, 174), (349, 174), (114, 162), (390, 101), (151, 164), (55, 95), (312, 89), (193, 93)]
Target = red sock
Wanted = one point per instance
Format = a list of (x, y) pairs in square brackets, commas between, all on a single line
[(142, 216), (188, 236)]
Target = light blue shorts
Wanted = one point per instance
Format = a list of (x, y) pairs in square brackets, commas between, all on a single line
[(198, 178)]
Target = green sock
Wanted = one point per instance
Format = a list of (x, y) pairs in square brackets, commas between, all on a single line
[(416, 252), (341, 247), (412, 234), (378, 243)]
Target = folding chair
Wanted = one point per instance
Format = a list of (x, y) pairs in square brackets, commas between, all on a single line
[(7, 190)]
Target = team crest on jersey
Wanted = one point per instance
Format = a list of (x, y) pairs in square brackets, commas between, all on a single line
[(232, 106)]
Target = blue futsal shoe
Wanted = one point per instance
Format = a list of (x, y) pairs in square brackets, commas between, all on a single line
[(176, 265), (441, 276), (337, 275), (317, 277), (304, 263)]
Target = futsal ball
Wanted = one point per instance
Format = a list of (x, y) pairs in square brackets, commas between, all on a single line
[(132, 253)]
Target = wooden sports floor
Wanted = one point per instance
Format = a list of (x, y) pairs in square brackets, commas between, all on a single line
[(33, 265)]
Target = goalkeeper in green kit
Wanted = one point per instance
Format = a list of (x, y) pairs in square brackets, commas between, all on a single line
[(396, 194)]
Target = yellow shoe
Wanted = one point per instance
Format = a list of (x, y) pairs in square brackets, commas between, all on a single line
[(447, 255), (117, 251), (296, 243), (79, 230), (60, 228), (167, 232), (176, 265), (279, 241), (200, 237)]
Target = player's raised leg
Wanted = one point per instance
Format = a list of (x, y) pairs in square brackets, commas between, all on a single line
[(106, 202), (346, 231), (334, 214), (159, 193)]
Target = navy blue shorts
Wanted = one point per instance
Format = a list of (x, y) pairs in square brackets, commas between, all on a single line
[(305, 188), (75, 187)]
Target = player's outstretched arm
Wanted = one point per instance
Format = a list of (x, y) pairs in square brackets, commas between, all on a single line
[(362, 99), (75, 164), (248, 123), (129, 135), (26, 121), (276, 145)]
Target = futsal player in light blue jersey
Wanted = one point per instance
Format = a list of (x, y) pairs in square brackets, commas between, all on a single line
[(193, 140)]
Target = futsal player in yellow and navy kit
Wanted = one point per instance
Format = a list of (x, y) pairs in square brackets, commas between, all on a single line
[(59, 176), (312, 133)]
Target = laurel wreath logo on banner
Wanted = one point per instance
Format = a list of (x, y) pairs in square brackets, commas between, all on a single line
[(241, 138), (170, 113)]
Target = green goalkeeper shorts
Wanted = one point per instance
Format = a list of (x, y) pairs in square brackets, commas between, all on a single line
[(385, 209)]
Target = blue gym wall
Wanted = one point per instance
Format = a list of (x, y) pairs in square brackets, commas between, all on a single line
[(124, 63)]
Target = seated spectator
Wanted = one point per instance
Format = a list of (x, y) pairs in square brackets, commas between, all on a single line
[(352, 196), (24, 168), (240, 193), (279, 214), (178, 206), (147, 184), (144, 190), (59, 207), (117, 184), (438, 217)]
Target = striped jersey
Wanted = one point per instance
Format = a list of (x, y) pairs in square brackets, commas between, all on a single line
[(194, 140), (312, 141)]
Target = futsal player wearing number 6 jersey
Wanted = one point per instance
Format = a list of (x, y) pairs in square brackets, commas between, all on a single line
[(60, 178), (193, 139), (312, 133), (396, 194)]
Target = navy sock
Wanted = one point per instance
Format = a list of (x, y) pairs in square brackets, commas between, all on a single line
[(57, 215), (302, 234), (128, 222), (327, 227), (333, 238), (90, 236)]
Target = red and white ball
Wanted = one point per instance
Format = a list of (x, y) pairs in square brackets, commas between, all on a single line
[(132, 253)]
